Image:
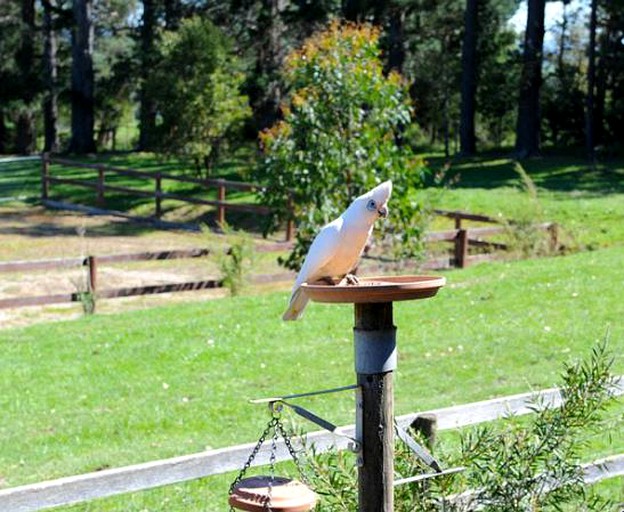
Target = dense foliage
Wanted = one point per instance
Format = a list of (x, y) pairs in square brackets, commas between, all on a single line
[(579, 91), (340, 136), (195, 90)]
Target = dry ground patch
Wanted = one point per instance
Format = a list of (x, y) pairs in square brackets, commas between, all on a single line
[(34, 233)]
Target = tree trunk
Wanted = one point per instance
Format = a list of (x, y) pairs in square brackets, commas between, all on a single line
[(591, 82), (269, 61), (50, 104), (25, 59), (3, 133), (601, 83), (173, 14), (354, 10), (147, 115), (396, 40), (468, 144), (528, 124), (82, 79)]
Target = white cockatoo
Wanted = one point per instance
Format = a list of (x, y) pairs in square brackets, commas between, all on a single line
[(337, 248)]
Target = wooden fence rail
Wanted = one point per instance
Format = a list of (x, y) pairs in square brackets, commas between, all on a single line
[(101, 186), (461, 237), (92, 264), (111, 482)]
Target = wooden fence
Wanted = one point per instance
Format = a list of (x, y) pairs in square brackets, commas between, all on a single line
[(461, 237), (111, 482), (92, 263), (158, 194)]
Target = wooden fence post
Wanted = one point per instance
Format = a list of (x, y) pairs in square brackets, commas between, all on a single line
[(375, 361), (458, 221), (221, 199), (100, 186), (45, 174), (461, 248), (92, 276), (158, 194)]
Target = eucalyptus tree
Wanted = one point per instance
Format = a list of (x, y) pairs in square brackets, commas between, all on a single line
[(82, 79), (467, 138), (9, 44), (528, 124), (50, 78), (195, 87), (338, 138)]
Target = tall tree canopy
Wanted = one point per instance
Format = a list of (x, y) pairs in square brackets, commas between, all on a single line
[(475, 82)]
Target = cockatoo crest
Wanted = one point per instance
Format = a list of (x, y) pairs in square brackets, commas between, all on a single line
[(337, 248)]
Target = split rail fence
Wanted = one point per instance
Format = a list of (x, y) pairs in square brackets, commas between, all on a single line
[(111, 482), (461, 237), (158, 194), (92, 263)]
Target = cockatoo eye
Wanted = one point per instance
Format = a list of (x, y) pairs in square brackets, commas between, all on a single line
[(371, 206)]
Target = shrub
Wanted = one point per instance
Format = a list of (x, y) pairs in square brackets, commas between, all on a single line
[(341, 135), (195, 87)]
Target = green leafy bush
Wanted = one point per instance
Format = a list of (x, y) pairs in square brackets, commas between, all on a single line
[(340, 136), (195, 87)]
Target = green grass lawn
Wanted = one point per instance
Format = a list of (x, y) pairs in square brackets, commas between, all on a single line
[(112, 390), (106, 391)]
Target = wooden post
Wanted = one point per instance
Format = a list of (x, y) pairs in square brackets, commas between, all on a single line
[(461, 248), (458, 221), (158, 194), (375, 361), (220, 207), (92, 278), (100, 186), (45, 174)]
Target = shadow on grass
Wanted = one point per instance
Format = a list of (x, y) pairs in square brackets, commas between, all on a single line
[(554, 171)]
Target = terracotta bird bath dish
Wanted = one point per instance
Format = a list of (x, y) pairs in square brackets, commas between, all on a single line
[(263, 493), (375, 289)]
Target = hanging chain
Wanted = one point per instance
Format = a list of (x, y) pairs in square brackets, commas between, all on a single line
[(293, 454), (272, 460), (271, 426), (275, 424)]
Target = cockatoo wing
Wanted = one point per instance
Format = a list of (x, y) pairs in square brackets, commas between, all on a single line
[(318, 259)]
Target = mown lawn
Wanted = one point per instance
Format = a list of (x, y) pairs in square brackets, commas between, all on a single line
[(106, 391), (111, 390)]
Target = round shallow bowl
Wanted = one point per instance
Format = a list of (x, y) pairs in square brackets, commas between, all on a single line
[(286, 495), (376, 289)]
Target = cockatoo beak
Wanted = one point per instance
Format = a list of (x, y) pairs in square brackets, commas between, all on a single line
[(383, 212)]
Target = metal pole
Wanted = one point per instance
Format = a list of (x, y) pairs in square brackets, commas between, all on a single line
[(375, 361)]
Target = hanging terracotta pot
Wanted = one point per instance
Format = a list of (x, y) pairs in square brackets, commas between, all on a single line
[(286, 495)]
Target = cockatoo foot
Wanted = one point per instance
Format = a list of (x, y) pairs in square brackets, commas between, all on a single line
[(351, 279), (328, 280)]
